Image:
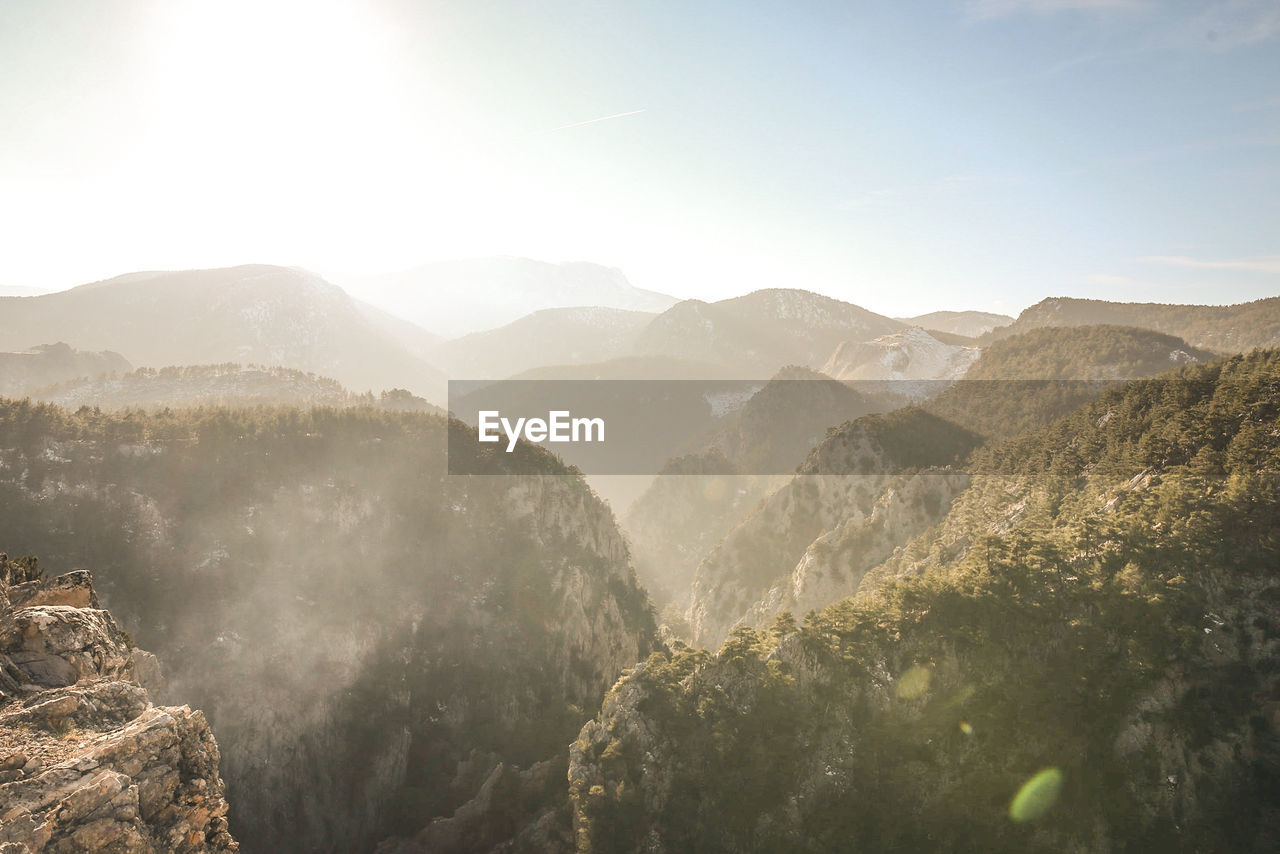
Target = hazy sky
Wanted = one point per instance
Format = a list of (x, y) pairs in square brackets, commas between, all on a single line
[(906, 156)]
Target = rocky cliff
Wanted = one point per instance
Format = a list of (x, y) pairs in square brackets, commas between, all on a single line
[(87, 762), (832, 500)]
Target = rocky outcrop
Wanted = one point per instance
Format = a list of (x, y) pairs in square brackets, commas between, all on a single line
[(834, 565), (87, 763)]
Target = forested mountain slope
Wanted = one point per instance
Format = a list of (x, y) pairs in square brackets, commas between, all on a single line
[(1224, 329), (1081, 657), (1034, 377), (370, 637)]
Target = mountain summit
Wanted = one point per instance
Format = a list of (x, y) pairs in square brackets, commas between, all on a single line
[(763, 331)]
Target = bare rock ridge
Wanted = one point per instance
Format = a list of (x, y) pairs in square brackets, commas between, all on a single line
[(87, 763)]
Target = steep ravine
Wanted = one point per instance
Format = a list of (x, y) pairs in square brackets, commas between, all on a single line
[(371, 637), (1081, 657), (869, 486)]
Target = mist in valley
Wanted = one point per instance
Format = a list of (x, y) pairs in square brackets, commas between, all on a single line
[(926, 360)]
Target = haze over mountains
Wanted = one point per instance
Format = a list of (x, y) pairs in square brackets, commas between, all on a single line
[(400, 659), (255, 313), (968, 323), (581, 320), (454, 298), (549, 336)]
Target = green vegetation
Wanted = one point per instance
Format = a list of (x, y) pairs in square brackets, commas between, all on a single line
[(323, 565), (1082, 657), (1033, 378), (906, 439), (1084, 353), (1224, 329)]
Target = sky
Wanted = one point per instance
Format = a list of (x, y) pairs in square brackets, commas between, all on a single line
[(906, 156)]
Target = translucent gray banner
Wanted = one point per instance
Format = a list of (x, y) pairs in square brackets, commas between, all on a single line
[(759, 427)]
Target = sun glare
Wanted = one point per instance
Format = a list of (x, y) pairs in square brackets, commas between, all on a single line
[(288, 116)]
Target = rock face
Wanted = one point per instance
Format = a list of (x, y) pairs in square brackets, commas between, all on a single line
[(87, 763), (900, 356), (835, 563), (846, 510)]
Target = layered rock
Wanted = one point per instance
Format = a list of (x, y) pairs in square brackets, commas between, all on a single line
[(87, 763)]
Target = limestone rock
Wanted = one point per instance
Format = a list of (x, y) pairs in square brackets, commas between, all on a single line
[(87, 764)]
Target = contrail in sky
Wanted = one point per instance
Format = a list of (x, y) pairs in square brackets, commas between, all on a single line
[(593, 121)]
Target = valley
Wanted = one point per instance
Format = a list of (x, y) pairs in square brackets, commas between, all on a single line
[(884, 572)]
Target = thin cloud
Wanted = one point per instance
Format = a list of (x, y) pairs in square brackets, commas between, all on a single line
[(594, 121), (1258, 264)]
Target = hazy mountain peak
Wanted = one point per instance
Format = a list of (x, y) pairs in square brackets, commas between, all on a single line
[(454, 298), (967, 323), (760, 332), (255, 313)]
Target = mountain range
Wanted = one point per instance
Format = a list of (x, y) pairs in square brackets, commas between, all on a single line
[(253, 314), (1035, 610)]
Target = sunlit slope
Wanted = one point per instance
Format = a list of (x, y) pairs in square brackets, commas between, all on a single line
[(1080, 658), (1224, 329), (550, 337), (1031, 378)]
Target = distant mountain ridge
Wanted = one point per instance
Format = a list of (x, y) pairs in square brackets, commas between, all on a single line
[(1225, 329), (227, 385), (47, 364), (552, 336), (456, 298), (967, 323), (256, 313), (763, 331)]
